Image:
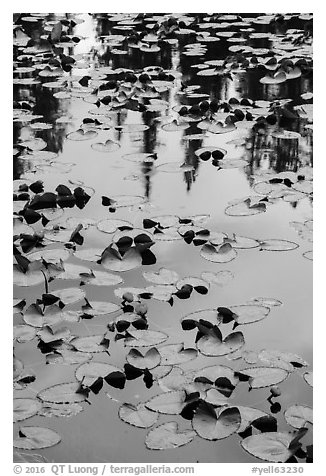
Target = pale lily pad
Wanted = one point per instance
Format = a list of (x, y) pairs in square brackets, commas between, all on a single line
[(100, 278), (60, 410), (167, 436), (148, 360), (25, 408), (81, 135), (260, 377), (216, 424), (308, 377), (308, 255), (275, 447), (168, 403), (69, 295), (137, 415), (163, 276), (106, 147), (36, 317), (268, 302), (50, 256), (24, 333), (175, 354), (36, 437), (221, 278), (89, 254), (144, 338), (63, 393), (247, 207), (72, 271), (283, 360), (278, 245), (174, 167), (90, 344), (111, 225), (98, 308), (48, 335), (249, 313), (298, 416), (32, 277)]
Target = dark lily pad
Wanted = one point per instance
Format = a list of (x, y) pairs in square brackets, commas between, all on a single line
[(148, 360), (216, 424)]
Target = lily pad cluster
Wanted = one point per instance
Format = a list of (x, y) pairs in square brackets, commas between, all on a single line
[(126, 88)]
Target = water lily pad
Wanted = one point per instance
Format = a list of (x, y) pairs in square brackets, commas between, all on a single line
[(63, 393), (137, 415), (249, 313), (215, 424), (113, 260), (98, 308), (283, 360), (167, 436), (213, 344), (221, 278), (268, 302), (60, 410), (72, 271), (260, 377), (298, 416), (69, 295), (101, 278), (36, 437), (111, 225), (23, 333), (248, 415), (25, 408), (168, 403), (89, 372), (163, 276), (218, 254), (308, 255), (275, 447), (89, 254), (80, 135), (50, 256), (148, 360), (90, 344), (175, 354), (144, 338), (308, 377), (247, 207), (278, 245), (31, 277), (174, 167), (107, 146)]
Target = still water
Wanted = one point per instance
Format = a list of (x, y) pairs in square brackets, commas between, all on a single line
[(97, 434)]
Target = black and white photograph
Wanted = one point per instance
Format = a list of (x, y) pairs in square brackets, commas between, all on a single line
[(162, 238)]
